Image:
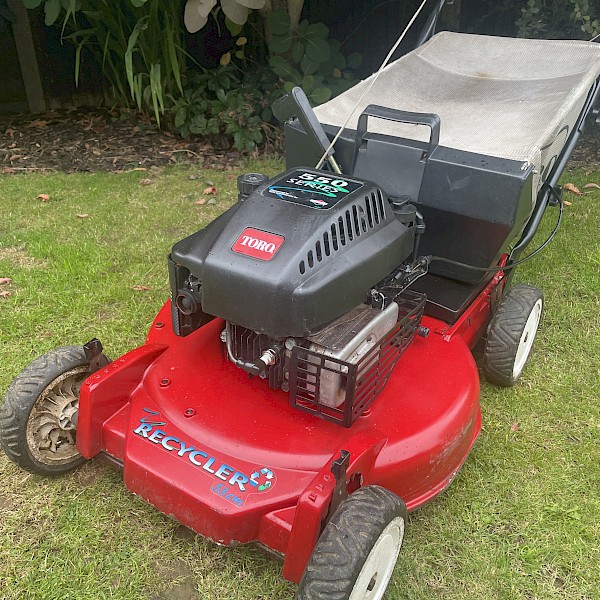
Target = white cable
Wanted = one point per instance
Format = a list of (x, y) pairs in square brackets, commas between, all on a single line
[(383, 65)]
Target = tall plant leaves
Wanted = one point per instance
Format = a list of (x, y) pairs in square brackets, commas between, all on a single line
[(171, 51), (131, 48)]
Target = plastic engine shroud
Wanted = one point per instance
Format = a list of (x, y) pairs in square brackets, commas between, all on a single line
[(303, 249)]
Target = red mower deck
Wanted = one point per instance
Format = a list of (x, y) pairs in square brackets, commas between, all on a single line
[(230, 459)]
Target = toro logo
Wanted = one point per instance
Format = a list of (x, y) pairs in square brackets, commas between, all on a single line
[(258, 244)]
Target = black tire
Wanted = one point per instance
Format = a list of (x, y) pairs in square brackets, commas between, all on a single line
[(511, 334), (344, 560), (37, 419)]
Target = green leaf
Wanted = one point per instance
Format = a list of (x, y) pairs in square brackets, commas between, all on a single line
[(317, 31), (31, 3), (232, 27), (337, 59), (51, 10), (180, 117), (280, 44), (279, 22), (283, 67), (298, 51), (355, 60), (308, 65), (138, 3), (303, 27), (320, 95), (318, 50), (288, 86), (307, 82)]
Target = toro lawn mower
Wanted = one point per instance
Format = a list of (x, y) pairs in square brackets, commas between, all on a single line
[(310, 379)]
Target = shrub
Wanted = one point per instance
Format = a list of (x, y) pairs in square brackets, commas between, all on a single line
[(224, 104)]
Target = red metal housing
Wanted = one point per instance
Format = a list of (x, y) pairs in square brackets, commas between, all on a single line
[(231, 459)]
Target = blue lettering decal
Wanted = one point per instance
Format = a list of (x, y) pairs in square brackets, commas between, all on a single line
[(157, 436), (193, 455), (209, 464), (143, 430), (239, 479), (185, 449), (224, 471), (149, 430), (224, 493), (169, 439)]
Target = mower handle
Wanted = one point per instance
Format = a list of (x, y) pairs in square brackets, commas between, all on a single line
[(401, 116)]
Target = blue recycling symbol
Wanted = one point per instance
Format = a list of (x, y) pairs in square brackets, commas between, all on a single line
[(262, 480)]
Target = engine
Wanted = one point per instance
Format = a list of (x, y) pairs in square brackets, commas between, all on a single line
[(306, 271)]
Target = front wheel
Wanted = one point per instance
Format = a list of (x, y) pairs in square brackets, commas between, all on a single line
[(355, 556), (39, 415), (511, 334)]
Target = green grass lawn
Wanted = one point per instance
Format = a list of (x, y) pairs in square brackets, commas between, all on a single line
[(521, 520)]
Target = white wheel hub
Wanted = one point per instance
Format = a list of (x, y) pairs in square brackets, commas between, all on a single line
[(527, 337), (378, 567)]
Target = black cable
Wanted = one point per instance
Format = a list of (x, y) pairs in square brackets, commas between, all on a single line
[(519, 262)]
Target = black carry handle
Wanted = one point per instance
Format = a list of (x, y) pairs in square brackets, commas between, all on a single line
[(401, 116)]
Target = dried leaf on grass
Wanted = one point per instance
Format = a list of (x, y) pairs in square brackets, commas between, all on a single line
[(43, 197), (567, 203), (83, 215), (5, 280), (569, 187), (210, 190), (141, 288), (4, 294), (589, 186), (212, 201), (37, 123), (200, 202), (514, 427), (146, 181)]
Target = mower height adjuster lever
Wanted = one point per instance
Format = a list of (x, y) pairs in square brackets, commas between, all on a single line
[(93, 352), (339, 468)]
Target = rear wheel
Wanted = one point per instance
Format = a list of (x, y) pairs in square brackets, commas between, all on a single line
[(39, 415), (355, 556), (511, 334)]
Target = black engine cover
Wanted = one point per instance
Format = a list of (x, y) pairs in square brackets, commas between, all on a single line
[(301, 250)]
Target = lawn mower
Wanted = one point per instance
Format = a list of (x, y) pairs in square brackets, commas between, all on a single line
[(311, 378)]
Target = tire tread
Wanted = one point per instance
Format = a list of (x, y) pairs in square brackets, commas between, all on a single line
[(346, 541), (504, 333)]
